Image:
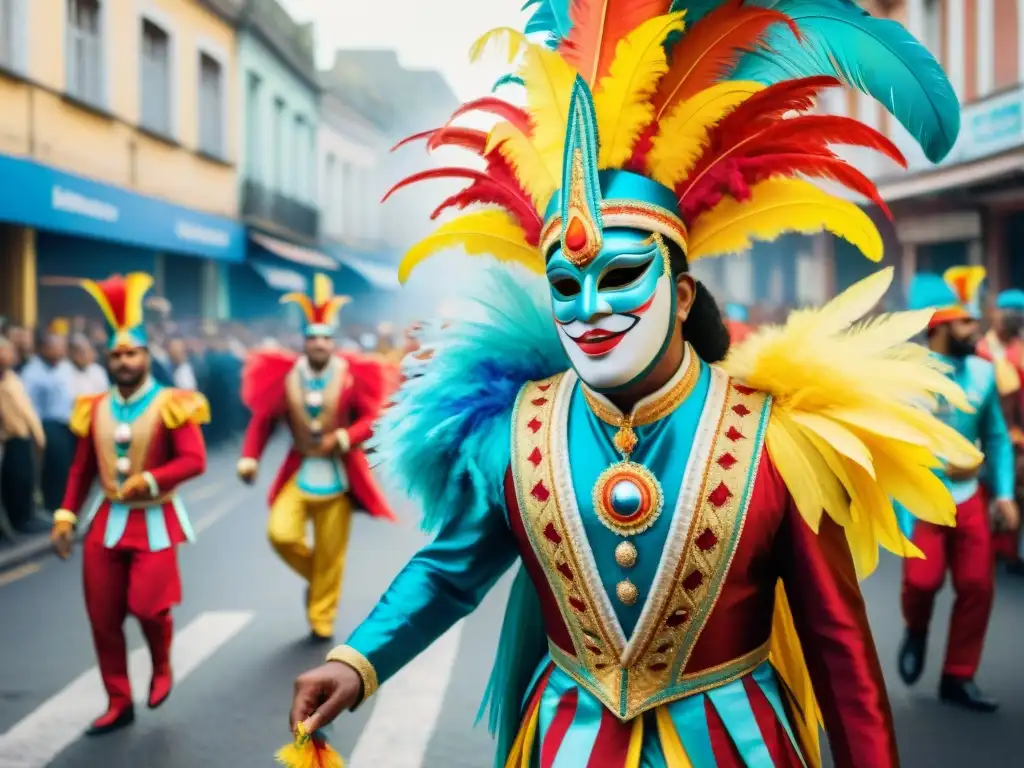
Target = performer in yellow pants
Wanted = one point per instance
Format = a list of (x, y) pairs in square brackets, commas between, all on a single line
[(322, 565), (329, 400)]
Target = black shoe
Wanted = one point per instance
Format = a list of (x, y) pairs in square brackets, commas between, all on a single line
[(316, 637), (911, 658), (109, 722), (966, 694)]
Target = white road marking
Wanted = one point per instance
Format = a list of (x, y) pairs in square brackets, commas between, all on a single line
[(211, 517), (16, 574), (402, 722), (38, 738), (205, 491)]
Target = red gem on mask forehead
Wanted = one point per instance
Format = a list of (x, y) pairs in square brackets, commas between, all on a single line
[(575, 235)]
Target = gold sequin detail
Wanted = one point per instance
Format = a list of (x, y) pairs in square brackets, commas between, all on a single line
[(626, 555), (627, 592)]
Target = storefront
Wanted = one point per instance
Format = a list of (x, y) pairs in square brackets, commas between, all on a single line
[(58, 228)]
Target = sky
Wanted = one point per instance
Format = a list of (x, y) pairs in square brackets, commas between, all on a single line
[(401, 24)]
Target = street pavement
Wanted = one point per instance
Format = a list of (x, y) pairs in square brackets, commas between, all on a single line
[(242, 639)]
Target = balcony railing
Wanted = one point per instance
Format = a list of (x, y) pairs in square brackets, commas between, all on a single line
[(258, 202)]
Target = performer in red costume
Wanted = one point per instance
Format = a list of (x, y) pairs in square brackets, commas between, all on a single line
[(329, 400), (141, 441)]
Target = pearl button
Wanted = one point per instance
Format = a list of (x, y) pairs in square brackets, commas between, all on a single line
[(626, 555), (123, 433), (316, 426), (627, 592), (627, 498), (314, 399), (123, 465)]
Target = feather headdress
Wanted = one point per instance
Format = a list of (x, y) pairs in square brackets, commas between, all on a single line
[(121, 300), (703, 106), (954, 296), (319, 311)]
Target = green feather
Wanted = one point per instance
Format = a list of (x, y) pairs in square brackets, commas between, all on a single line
[(876, 56)]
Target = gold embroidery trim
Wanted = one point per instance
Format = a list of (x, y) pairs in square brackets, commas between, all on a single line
[(143, 430), (624, 213), (351, 657)]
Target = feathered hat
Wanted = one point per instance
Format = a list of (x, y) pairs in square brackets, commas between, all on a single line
[(1010, 301), (121, 299), (320, 312), (686, 118), (954, 296)]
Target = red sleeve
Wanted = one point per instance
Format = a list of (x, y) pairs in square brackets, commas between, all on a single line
[(81, 477), (188, 458), (257, 435), (831, 621), (373, 383)]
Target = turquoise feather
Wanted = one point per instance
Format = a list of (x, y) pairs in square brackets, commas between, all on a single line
[(509, 79), (445, 440), (877, 56), (551, 17)]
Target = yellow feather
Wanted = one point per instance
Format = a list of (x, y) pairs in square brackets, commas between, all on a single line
[(304, 302), (93, 289), (787, 657), (323, 289), (622, 99), (548, 80), (851, 399), (777, 206), (515, 41), (972, 277), (532, 169), (683, 134), (483, 233), (136, 286)]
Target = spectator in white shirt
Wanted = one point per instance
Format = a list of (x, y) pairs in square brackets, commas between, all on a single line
[(183, 375), (88, 377)]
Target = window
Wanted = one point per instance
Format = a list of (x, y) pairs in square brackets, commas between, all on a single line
[(300, 171), (327, 199), (85, 51), (279, 147), (211, 106), (156, 78), (932, 32), (253, 136)]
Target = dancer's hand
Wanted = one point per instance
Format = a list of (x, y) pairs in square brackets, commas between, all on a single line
[(323, 693), (247, 469), (1007, 515), (62, 537), (135, 488)]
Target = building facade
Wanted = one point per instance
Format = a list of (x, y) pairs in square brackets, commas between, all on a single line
[(116, 148), (278, 90)]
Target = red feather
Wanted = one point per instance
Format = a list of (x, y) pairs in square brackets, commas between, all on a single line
[(597, 28), (450, 136), (495, 106), (711, 49), (415, 137), (263, 380), (115, 289)]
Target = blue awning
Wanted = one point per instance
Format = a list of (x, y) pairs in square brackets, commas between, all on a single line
[(373, 268), (278, 278), (297, 254)]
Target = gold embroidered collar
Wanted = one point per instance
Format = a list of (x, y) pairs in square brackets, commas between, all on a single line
[(653, 407)]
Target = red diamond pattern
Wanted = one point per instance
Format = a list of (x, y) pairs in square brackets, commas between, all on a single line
[(543, 387), (741, 410), (719, 496), (733, 434), (594, 650), (539, 401), (565, 570), (535, 457), (534, 424), (744, 390), (541, 493), (725, 461), (706, 540), (552, 535), (693, 581), (578, 604), (664, 648), (677, 618)]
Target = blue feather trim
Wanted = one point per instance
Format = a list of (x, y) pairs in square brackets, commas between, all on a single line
[(877, 56), (509, 79), (550, 17), (445, 440)]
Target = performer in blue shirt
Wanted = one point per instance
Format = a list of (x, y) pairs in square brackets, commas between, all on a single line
[(965, 550)]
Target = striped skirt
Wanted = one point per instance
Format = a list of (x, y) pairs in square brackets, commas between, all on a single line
[(743, 724)]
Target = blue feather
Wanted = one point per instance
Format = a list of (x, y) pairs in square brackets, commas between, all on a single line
[(509, 79), (445, 440), (551, 17), (877, 56)]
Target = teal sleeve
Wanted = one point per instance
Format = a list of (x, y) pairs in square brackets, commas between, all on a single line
[(443, 583), (998, 448)]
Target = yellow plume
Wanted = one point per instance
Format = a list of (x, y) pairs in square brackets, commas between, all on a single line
[(965, 280), (323, 289), (334, 305), (548, 80), (93, 289), (683, 134), (623, 99), (136, 285), (535, 172), (484, 233), (304, 302), (849, 431), (777, 206), (514, 40)]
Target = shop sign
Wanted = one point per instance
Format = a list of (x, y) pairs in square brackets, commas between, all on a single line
[(36, 195)]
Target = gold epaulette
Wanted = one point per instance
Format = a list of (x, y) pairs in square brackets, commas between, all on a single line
[(181, 406), (81, 414)]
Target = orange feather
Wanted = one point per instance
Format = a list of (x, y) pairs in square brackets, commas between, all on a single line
[(597, 28), (711, 49)]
